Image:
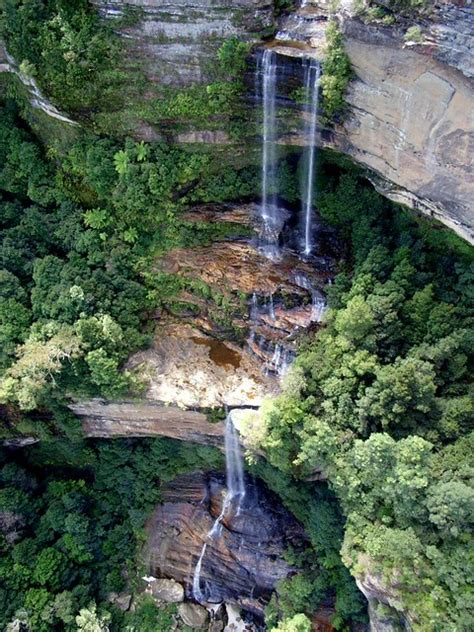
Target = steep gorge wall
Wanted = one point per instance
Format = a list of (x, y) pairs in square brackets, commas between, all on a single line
[(410, 117), (410, 120), (175, 42)]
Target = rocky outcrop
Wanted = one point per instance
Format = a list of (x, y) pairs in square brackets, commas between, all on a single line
[(145, 418), (449, 35), (188, 368), (386, 612), (36, 97), (240, 267), (411, 123), (243, 564), (224, 340)]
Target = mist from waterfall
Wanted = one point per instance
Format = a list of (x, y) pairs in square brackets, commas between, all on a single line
[(311, 85), (235, 494)]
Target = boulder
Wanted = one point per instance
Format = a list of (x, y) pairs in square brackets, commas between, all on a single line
[(122, 600), (167, 590), (193, 615)]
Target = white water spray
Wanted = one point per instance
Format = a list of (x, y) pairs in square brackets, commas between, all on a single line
[(234, 496), (312, 76)]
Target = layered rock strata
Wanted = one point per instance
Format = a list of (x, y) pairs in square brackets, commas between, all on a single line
[(145, 418), (175, 43), (243, 563)]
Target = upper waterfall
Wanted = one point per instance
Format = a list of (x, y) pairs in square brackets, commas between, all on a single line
[(266, 89), (311, 85)]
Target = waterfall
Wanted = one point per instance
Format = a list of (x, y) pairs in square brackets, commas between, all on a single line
[(267, 71), (234, 496), (271, 308), (197, 593), (318, 307), (318, 300), (312, 75)]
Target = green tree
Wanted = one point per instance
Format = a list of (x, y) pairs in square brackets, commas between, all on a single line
[(88, 620), (49, 568), (298, 623), (402, 397), (451, 507)]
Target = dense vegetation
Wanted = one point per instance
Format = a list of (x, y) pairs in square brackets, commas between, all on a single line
[(66, 47), (79, 225), (336, 73), (323, 579), (72, 517), (381, 401), (77, 229)]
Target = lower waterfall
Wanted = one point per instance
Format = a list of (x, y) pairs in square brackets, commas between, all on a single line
[(233, 499)]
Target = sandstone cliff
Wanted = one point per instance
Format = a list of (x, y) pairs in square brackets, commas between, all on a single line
[(410, 117), (410, 120), (244, 561)]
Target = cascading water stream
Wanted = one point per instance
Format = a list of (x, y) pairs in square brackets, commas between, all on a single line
[(312, 76), (235, 495)]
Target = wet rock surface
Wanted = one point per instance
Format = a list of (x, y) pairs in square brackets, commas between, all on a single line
[(239, 266), (243, 564), (198, 360)]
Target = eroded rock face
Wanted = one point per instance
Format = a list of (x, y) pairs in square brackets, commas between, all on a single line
[(386, 612), (187, 368), (37, 99), (411, 122), (242, 564), (410, 117), (240, 267)]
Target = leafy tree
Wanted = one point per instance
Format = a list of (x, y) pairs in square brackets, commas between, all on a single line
[(88, 620), (402, 395), (298, 623), (336, 72), (49, 568), (451, 506), (40, 359)]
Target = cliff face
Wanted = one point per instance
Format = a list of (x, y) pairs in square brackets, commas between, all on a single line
[(245, 559), (410, 115), (411, 122), (410, 119), (174, 43)]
